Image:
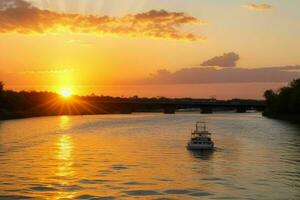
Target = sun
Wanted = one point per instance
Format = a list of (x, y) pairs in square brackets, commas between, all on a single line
[(66, 92)]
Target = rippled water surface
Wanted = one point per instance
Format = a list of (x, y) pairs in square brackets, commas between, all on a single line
[(143, 156)]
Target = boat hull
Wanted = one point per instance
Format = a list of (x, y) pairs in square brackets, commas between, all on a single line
[(200, 146)]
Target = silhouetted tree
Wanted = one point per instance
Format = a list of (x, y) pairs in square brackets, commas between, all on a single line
[(1, 91), (1, 86), (271, 98), (284, 102), (294, 102)]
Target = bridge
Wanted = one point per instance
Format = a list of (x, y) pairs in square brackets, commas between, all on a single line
[(171, 106)]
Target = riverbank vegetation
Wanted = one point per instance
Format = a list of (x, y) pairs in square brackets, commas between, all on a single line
[(284, 103)]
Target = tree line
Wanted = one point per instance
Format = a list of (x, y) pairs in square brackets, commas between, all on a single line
[(285, 101)]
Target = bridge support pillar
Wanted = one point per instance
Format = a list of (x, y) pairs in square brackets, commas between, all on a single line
[(169, 110), (206, 110), (241, 110), (260, 109), (126, 110)]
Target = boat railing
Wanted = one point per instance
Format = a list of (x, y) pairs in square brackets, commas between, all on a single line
[(207, 134)]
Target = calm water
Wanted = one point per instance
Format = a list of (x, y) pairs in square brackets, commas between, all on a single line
[(143, 156)]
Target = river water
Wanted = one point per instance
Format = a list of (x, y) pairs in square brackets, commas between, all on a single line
[(143, 156)]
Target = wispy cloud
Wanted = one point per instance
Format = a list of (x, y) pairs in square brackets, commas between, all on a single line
[(19, 16), (257, 7), (48, 71), (198, 75), (226, 60), (78, 42)]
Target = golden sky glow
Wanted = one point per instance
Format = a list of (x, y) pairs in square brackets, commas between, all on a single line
[(115, 48)]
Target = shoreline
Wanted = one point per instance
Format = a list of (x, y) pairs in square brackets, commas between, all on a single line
[(21, 115), (16, 116), (289, 118)]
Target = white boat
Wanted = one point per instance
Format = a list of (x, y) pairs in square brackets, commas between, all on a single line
[(200, 138)]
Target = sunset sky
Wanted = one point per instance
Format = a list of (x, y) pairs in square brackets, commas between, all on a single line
[(174, 48)]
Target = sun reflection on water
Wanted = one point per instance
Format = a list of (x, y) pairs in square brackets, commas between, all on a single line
[(64, 155), (64, 158)]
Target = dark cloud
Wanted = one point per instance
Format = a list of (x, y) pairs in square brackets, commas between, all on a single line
[(226, 75), (258, 7), (226, 60), (19, 16)]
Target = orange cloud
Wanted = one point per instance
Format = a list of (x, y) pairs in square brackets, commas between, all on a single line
[(19, 16), (226, 60), (200, 75), (257, 7)]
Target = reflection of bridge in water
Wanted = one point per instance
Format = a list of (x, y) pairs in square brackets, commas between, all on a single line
[(170, 107)]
